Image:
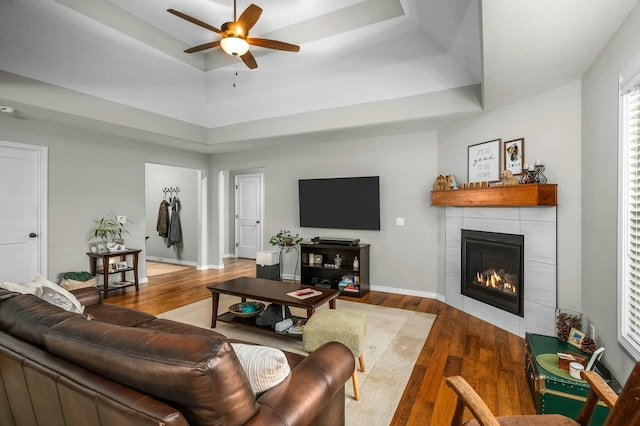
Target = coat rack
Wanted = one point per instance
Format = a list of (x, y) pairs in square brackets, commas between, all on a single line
[(171, 191)]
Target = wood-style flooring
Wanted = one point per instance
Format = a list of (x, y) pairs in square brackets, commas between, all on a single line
[(489, 358)]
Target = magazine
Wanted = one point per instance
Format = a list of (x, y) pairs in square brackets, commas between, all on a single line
[(304, 293)]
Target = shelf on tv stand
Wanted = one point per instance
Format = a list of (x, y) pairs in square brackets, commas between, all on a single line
[(328, 252)]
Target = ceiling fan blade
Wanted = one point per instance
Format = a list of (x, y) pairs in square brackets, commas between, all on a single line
[(204, 46), (194, 20), (249, 60), (249, 17), (273, 44)]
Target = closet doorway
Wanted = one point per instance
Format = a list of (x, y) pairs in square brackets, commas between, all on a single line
[(180, 188), (248, 215)]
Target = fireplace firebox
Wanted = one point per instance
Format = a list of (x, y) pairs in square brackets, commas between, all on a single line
[(493, 269)]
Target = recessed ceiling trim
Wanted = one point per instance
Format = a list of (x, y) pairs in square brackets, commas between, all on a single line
[(365, 13), (60, 101), (120, 20), (427, 106)]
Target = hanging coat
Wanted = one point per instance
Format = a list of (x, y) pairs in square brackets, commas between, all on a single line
[(163, 219), (175, 231)]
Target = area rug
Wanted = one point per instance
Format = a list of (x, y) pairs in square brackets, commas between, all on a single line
[(393, 342), (159, 268)]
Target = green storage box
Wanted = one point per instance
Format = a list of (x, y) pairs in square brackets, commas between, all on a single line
[(555, 392)]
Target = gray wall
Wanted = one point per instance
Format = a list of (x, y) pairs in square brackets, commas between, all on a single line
[(158, 177), (550, 124), (402, 257), (599, 193), (91, 174)]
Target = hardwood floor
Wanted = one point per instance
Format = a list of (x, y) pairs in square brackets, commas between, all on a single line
[(489, 358)]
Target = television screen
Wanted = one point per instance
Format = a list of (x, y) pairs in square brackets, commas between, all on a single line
[(340, 203)]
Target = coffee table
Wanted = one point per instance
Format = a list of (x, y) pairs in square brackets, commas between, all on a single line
[(266, 291)]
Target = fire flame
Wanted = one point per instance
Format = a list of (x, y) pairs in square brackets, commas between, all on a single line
[(494, 280)]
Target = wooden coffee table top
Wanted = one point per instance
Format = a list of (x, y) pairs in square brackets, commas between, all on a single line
[(273, 292)]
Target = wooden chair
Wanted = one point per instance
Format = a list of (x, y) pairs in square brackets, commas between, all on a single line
[(625, 409)]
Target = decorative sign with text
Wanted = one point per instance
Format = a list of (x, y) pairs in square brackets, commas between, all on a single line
[(484, 161)]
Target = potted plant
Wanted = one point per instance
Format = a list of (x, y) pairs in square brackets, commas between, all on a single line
[(286, 239), (110, 229)]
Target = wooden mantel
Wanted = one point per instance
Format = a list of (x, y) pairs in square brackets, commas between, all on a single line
[(526, 195)]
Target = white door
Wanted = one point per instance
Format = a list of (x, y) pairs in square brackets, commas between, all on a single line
[(22, 212), (248, 215)]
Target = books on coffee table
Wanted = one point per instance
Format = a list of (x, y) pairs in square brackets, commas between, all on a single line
[(304, 293)]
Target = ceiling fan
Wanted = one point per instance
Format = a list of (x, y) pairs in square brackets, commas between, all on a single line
[(235, 35)]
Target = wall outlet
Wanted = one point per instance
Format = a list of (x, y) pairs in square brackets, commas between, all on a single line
[(592, 331)]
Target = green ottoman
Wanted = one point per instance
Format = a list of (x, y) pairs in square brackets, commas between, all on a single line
[(333, 325)]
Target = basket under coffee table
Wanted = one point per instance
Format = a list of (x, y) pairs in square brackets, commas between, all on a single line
[(266, 291)]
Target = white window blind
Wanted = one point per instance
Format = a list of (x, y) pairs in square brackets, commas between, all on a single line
[(629, 291)]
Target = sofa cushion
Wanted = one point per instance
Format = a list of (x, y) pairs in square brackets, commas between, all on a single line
[(201, 376), (118, 315), (27, 317), (264, 366), (175, 327)]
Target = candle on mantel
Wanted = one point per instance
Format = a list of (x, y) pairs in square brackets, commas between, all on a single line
[(531, 167), (526, 167), (538, 163)]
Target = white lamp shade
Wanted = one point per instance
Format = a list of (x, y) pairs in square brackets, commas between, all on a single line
[(234, 46)]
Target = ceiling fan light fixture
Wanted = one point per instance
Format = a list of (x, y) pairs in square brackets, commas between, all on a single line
[(234, 45)]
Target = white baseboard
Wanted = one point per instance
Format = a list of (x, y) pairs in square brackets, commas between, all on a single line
[(205, 267), (172, 261), (408, 292)]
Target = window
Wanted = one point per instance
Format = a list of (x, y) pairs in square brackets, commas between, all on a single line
[(629, 258)]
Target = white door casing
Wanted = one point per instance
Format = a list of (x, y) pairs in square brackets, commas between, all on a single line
[(248, 203), (23, 218)]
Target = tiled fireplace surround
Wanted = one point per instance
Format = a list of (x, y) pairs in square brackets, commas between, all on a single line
[(539, 227)]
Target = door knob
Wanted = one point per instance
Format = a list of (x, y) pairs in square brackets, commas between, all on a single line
[(257, 221), (33, 235)]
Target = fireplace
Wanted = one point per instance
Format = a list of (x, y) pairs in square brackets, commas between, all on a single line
[(493, 269)]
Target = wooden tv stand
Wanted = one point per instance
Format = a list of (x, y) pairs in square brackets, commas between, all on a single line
[(331, 276)]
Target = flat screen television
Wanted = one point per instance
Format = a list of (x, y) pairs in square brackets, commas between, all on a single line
[(340, 203)]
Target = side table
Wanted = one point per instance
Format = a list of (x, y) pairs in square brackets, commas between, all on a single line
[(122, 256), (553, 390)]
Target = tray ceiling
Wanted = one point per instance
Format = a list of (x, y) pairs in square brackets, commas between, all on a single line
[(365, 66)]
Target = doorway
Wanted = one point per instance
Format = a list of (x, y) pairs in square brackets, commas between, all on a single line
[(23, 226), (181, 187), (249, 202)]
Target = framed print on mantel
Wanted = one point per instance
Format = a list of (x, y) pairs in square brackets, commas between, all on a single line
[(514, 155), (484, 161)]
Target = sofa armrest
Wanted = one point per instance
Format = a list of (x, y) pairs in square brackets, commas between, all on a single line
[(310, 387), (88, 296)]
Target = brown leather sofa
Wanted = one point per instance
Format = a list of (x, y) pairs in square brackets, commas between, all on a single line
[(118, 366)]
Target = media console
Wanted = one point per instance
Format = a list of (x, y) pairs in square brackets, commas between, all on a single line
[(320, 271)]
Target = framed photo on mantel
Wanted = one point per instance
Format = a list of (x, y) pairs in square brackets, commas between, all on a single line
[(484, 161), (514, 156)]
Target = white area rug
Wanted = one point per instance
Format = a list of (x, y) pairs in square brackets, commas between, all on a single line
[(394, 340)]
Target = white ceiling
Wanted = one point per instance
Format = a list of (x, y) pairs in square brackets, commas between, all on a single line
[(364, 67)]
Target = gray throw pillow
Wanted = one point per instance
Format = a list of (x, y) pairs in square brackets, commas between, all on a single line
[(58, 299)]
